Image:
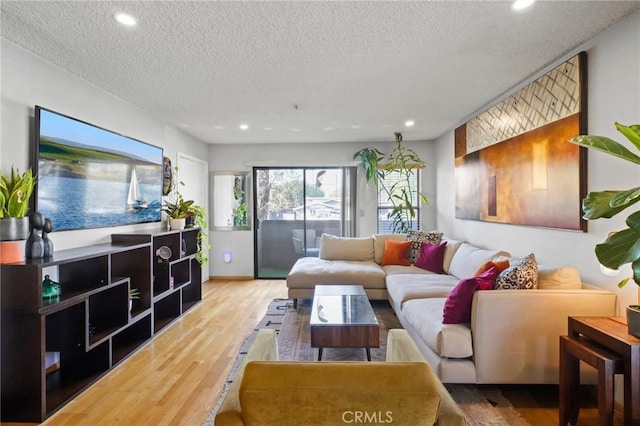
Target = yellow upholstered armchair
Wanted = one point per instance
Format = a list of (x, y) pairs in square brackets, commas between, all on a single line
[(402, 391)]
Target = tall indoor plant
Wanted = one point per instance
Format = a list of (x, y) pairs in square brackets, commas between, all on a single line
[(623, 246), (404, 161)]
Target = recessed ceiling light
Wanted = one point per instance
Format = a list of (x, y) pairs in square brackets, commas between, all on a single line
[(126, 19), (244, 126), (409, 123), (355, 126), (521, 4)]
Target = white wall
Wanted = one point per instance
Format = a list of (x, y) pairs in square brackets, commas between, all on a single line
[(244, 157), (28, 80), (613, 95)]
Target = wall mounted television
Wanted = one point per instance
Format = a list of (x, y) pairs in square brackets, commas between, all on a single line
[(90, 177)]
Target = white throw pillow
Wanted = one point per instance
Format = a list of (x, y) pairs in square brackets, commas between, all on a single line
[(449, 251), (468, 258), (345, 248)]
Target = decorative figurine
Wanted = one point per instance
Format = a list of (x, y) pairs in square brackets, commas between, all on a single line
[(34, 248), (48, 244), (50, 288)]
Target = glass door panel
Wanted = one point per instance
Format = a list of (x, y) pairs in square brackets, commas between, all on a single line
[(293, 208)]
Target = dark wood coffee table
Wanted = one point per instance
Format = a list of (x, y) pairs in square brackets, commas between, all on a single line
[(342, 317)]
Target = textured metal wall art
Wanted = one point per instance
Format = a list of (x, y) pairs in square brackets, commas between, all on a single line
[(513, 162)]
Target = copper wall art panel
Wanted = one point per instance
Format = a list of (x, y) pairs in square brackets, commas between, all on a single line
[(513, 162)]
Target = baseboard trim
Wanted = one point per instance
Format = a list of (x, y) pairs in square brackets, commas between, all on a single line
[(230, 277)]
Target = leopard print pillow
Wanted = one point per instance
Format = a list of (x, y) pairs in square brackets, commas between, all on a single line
[(521, 274)]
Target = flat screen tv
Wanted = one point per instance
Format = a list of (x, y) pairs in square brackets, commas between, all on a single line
[(89, 177)]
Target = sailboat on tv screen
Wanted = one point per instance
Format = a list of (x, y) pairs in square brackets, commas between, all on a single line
[(135, 202)]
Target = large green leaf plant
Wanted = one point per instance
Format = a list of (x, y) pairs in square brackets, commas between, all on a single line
[(623, 246), (376, 167)]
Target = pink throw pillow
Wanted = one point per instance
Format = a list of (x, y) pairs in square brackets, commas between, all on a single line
[(457, 307), (431, 257)]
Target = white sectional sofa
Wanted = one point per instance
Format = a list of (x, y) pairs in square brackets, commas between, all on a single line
[(513, 334)]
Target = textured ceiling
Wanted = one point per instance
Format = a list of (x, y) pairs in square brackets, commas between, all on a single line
[(356, 70)]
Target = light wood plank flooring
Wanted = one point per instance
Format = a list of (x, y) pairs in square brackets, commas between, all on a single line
[(176, 378)]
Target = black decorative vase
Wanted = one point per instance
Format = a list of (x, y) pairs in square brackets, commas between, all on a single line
[(633, 320)]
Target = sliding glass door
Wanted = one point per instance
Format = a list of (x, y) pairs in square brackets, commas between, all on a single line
[(293, 207)]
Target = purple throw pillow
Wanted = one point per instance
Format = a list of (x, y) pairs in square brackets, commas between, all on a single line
[(431, 257), (457, 307)]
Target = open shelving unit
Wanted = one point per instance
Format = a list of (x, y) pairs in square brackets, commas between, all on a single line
[(53, 348), (177, 281)]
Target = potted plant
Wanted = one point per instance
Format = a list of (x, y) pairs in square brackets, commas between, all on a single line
[(15, 192), (403, 161), (623, 246), (134, 293), (177, 208)]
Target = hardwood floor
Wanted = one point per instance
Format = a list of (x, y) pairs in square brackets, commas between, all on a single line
[(176, 378)]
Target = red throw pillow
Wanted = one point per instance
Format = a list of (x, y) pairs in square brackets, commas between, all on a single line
[(500, 265), (431, 257), (457, 307), (395, 252)]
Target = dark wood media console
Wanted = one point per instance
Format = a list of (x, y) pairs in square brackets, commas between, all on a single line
[(52, 349)]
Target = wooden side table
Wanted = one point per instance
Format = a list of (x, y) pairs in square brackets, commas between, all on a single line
[(611, 334)]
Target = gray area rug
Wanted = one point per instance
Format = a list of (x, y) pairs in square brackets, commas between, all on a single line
[(484, 406)]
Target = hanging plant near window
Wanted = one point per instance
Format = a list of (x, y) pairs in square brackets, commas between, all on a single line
[(404, 162)]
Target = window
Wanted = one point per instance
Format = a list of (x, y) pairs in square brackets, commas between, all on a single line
[(395, 184)]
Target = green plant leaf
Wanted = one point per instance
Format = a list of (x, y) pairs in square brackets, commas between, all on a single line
[(620, 248), (633, 221), (625, 198), (604, 144), (598, 204), (630, 132), (623, 282), (635, 267)]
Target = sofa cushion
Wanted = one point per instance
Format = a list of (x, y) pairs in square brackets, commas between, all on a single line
[(378, 244), (447, 340), (457, 307), (522, 274), (452, 247), (307, 272), (468, 258), (418, 237), (346, 248), (404, 287), (395, 253), (431, 257), (566, 278)]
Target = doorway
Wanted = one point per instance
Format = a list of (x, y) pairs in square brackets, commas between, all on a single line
[(293, 207)]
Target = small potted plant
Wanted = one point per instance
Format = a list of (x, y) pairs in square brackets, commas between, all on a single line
[(15, 192), (134, 293), (177, 208)]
